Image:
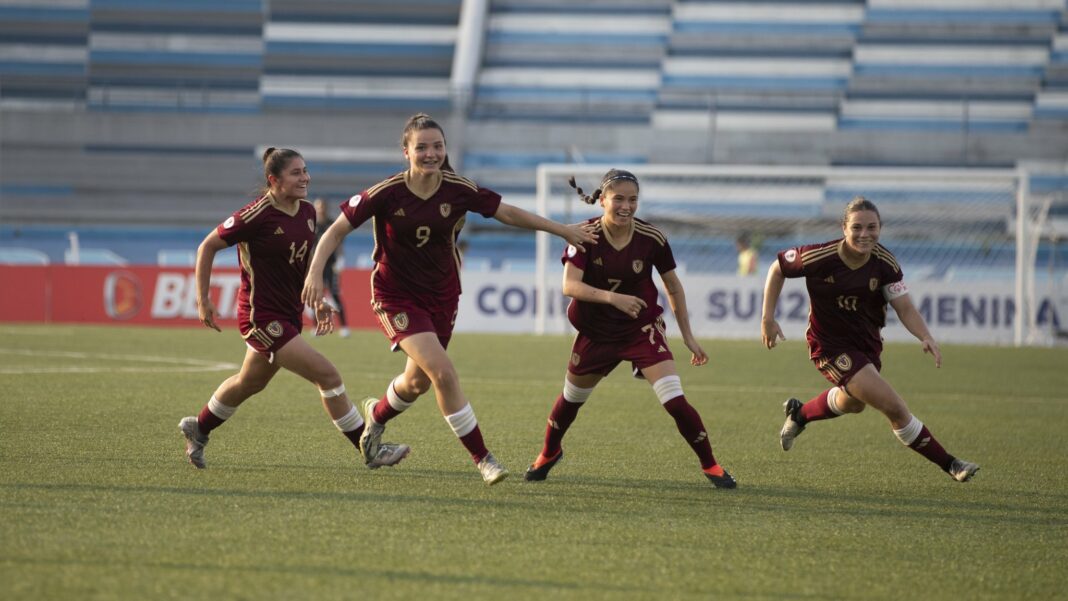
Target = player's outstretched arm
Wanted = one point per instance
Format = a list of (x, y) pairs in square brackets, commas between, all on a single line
[(206, 252), (312, 294), (914, 323), (576, 235), (770, 332), (677, 300)]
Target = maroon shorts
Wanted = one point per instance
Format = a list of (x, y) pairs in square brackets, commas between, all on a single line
[(647, 348), (268, 336), (401, 319), (840, 366)]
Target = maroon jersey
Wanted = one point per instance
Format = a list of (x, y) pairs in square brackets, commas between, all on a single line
[(415, 240), (624, 266), (274, 249), (848, 304)]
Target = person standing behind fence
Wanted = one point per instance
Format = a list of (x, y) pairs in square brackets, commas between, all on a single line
[(331, 272), (850, 281), (747, 255), (614, 308), (417, 216), (274, 235)]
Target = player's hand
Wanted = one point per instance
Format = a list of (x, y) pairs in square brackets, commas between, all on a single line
[(930, 346), (312, 294), (631, 305), (770, 332), (699, 357), (324, 318), (208, 313), (578, 234)]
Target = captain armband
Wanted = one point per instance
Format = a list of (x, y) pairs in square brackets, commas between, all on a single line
[(892, 291)]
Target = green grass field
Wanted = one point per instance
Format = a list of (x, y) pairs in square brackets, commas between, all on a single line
[(98, 502)]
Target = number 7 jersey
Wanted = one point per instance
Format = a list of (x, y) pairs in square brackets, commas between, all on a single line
[(848, 302)]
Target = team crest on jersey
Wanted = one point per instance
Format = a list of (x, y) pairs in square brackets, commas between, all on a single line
[(873, 284), (790, 255), (843, 362), (571, 250), (575, 359), (400, 321), (637, 264), (445, 209), (229, 223), (355, 200), (311, 226), (274, 329)]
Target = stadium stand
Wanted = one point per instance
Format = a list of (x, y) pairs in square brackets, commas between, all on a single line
[(44, 48)]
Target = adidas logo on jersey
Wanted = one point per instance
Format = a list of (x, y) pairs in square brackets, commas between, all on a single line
[(399, 213), (661, 349), (598, 261), (279, 231), (829, 279)]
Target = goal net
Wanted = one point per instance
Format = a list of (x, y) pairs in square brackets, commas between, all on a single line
[(952, 230)]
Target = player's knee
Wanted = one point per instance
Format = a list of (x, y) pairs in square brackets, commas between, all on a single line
[(444, 377), (252, 385), (415, 386)]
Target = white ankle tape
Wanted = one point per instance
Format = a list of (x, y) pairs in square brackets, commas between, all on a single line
[(332, 392), (394, 399), (574, 394), (350, 421), (908, 434), (832, 401), (462, 422), (219, 410), (667, 388)]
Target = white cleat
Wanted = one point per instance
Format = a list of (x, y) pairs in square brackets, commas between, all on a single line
[(492, 471), (962, 471), (194, 441), (371, 438), (790, 428), (389, 454)]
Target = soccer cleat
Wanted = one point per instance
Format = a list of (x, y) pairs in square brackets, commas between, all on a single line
[(962, 471), (721, 480), (371, 438), (537, 473), (389, 454), (194, 441), (492, 471), (792, 427)]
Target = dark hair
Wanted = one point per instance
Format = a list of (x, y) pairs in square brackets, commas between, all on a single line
[(613, 175), (274, 161), (859, 203), (419, 122)]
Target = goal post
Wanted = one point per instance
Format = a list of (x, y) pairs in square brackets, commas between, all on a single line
[(950, 228)]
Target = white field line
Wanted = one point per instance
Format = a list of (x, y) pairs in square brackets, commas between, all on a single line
[(170, 364)]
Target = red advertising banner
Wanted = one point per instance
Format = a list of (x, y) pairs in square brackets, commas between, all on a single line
[(160, 296)]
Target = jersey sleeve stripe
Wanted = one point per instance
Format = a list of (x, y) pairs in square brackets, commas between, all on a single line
[(249, 213), (459, 179), (382, 185), (811, 256), (883, 253), (651, 232)]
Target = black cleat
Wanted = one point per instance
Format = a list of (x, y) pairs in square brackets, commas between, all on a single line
[(537, 474), (724, 481)]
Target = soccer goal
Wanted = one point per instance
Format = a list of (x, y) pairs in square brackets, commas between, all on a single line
[(952, 230)]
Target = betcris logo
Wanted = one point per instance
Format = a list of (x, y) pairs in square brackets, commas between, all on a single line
[(175, 295), (122, 295)]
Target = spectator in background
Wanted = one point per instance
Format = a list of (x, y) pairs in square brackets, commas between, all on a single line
[(747, 255), (850, 280), (274, 235), (331, 270), (417, 216), (614, 308)]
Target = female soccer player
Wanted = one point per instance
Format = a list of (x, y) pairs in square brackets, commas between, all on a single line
[(850, 281), (615, 311), (417, 216), (274, 234)]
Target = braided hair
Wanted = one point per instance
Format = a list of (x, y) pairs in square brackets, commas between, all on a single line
[(613, 175)]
